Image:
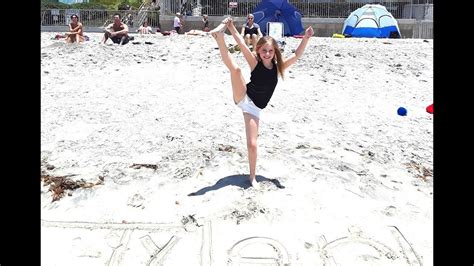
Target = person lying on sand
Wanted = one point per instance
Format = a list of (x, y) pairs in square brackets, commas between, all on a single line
[(196, 32)]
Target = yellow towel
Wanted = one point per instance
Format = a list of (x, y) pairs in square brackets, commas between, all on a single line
[(337, 35)]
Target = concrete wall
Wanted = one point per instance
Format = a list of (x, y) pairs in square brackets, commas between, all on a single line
[(323, 27)]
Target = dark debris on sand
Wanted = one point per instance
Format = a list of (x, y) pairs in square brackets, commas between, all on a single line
[(145, 165), (420, 171), (59, 185)]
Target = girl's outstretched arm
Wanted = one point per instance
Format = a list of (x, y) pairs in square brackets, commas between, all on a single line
[(287, 62), (249, 56)]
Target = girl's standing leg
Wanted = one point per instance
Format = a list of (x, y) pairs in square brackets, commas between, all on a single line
[(239, 89), (251, 132)]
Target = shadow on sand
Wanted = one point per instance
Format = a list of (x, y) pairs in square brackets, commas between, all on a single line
[(235, 180)]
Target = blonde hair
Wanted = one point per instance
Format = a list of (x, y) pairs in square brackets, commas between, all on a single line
[(277, 58)]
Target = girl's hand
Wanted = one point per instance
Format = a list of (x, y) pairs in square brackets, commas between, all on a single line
[(309, 32)]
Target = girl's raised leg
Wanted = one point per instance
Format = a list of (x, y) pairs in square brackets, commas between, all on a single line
[(239, 87)]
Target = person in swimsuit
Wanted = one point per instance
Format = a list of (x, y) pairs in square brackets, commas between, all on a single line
[(117, 31), (266, 63), (251, 32), (145, 29), (75, 33)]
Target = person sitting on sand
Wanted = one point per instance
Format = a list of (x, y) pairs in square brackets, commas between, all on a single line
[(75, 33), (117, 31), (251, 32), (145, 29), (266, 63), (205, 21)]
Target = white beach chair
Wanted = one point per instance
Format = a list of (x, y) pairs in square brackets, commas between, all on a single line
[(276, 30)]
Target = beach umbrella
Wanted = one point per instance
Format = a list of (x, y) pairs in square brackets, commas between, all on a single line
[(371, 21), (278, 11)]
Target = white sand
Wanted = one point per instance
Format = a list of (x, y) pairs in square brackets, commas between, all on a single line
[(349, 164)]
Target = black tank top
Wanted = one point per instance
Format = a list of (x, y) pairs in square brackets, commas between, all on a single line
[(262, 84), (251, 31)]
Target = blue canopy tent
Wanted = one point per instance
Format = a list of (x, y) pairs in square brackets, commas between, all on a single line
[(371, 21), (278, 11)]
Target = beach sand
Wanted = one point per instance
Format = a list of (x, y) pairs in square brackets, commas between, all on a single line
[(153, 134)]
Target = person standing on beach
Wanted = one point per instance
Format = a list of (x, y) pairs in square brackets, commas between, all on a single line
[(154, 14), (265, 62), (177, 23), (116, 31), (75, 33)]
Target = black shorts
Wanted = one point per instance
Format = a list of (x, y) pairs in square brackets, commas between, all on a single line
[(117, 39)]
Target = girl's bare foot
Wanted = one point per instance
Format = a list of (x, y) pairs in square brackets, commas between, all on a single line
[(222, 27), (254, 183), (227, 20), (217, 34)]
